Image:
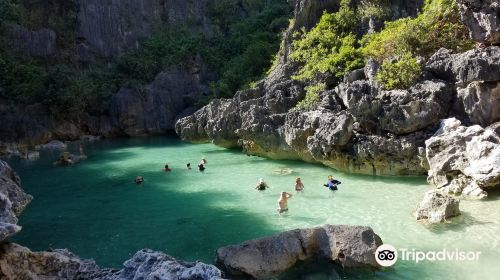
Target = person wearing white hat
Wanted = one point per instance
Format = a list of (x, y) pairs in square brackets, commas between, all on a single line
[(261, 185)]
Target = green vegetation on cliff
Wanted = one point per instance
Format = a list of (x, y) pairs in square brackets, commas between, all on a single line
[(238, 51), (330, 46), (334, 45)]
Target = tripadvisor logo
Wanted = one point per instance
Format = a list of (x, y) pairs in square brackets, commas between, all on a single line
[(386, 255)]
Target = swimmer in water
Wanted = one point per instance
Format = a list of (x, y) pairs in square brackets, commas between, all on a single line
[(167, 169), (188, 166), (299, 186), (201, 167), (283, 202), (261, 185), (139, 180)]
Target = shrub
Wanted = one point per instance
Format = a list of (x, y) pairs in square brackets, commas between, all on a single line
[(311, 98), (438, 26), (328, 47), (399, 74), (378, 9)]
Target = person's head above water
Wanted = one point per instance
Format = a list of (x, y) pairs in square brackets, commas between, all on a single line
[(188, 165), (330, 177), (166, 166), (261, 180), (297, 180)]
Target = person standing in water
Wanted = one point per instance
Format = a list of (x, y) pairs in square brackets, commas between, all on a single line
[(283, 202), (299, 186), (332, 183), (261, 185)]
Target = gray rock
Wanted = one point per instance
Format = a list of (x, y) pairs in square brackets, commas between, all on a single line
[(334, 131), (6, 171), (13, 200), (18, 262), (53, 145), (481, 102), (355, 75), (482, 17), (437, 207), (421, 106), (371, 69), (7, 229), (465, 68), (464, 160), (351, 246), (35, 43), (147, 264)]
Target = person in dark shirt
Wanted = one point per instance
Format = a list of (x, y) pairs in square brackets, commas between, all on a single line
[(332, 183), (201, 167), (261, 185)]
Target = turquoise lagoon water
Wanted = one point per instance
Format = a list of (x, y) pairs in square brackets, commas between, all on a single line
[(95, 210)]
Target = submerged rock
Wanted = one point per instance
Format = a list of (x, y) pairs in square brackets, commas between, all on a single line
[(437, 207), (53, 145), (464, 160), (351, 246)]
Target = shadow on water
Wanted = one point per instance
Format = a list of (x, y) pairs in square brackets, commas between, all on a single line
[(108, 218)]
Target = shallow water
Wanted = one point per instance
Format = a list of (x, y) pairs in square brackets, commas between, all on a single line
[(96, 210)]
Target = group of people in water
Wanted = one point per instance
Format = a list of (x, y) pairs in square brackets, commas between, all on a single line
[(331, 184), (201, 167)]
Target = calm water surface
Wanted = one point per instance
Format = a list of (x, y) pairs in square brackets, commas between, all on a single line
[(95, 210)]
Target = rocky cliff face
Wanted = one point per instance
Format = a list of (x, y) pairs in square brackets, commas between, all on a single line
[(106, 29), (357, 127), (109, 28)]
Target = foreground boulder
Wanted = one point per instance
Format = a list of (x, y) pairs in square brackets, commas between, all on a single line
[(464, 160), (437, 207), (351, 246), (147, 264), (17, 262)]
